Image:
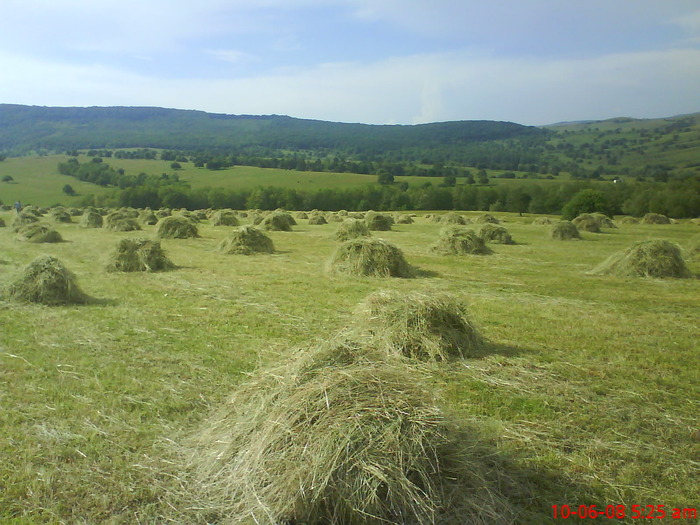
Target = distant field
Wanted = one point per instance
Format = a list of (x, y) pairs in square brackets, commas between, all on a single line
[(589, 387)]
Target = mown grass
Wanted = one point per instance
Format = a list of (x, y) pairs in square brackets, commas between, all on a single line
[(588, 386)]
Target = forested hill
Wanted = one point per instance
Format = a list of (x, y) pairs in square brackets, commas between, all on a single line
[(32, 128)]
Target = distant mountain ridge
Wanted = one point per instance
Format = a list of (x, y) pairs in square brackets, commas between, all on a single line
[(26, 128)]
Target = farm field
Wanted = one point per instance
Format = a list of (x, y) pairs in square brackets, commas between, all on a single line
[(588, 387)]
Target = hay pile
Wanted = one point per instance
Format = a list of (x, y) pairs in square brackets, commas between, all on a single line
[(369, 257), (486, 218), (646, 259), (148, 218), (655, 218), (494, 233), (543, 221), (352, 229), (459, 240), (603, 220), (317, 220), (138, 255), (404, 219), (378, 222), (247, 240), (334, 437), (175, 227), (38, 232), (121, 221), (301, 215), (587, 223), (163, 213), (451, 218), (91, 219), (224, 218), (47, 281), (61, 215), (415, 325), (628, 220), (23, 219), (278, 221), (563, 231), (2, 222)]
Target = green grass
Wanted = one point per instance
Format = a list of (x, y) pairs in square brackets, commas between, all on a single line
[(589, 386)]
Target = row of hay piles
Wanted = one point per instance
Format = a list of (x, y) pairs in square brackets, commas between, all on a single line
[(38, 232), (247, 240), (655, 258), (349, 432), (46, 281), (138, 255)]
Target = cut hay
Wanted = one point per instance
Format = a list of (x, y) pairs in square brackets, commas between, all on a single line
[(369, 257), (404, 219), (451, 218), (224, 218), (247, 240), (603, 220), (459, 240), (138, 255), (148, 218), (378, 222), (425, 327), (494, 233), (486, 218), (563, 231), (655, 218), (357, 444), (163, 213), (121, 221), (278, 221), (587, 223), (334, 217), (23, 219), (543, 221), (628, 220), (47, 281), (61, 215), (301, 215), (2, 223), (91, 219), (656, 258), (352, 229), (38, 232), (175, 227), (317, 220)]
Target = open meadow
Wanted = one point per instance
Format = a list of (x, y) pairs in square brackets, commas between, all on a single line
[(585, 392)]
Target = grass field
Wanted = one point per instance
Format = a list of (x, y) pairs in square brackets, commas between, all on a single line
[(589, 386)]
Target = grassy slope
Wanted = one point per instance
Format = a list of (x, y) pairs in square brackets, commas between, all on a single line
[(590, 386)]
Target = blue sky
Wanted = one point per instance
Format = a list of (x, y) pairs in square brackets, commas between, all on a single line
[(374, 61)]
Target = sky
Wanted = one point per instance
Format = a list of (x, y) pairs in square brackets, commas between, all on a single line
[(533, 62)]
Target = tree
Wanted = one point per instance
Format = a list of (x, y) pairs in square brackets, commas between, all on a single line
[(384, 177), (585, 201), (483, 178), (8, 178), (450, 181), (68, 190), (176, 166), (2, 157)]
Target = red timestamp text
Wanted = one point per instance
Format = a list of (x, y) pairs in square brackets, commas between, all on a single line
[(645, 512)]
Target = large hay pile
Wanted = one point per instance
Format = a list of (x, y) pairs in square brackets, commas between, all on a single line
[(656, 258), (38, 232), (563, 231), (121, 221), (655, 218), (175, 227), (138, 255), (317, 220), (459, 240), (247, 240), (342, 440), (352, 229), (61, 215), (425, 327), (494, 233), (91, 219), (224, 218), (278, 221), (377, 221), (369, 257), (46, 281), (587, 223)]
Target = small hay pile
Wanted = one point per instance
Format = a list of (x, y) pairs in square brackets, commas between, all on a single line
[(543, 221), (587, 223), (61, 215), (138, 255), (148, 218), (301, 215), (404, 218), (91, 219), (46, 281), (563, 231), (247, 240), (486, 218), (224, 218), (175, 227), (628, 220), (278, 221), (419, 326), (2, 222), (603, 220), (655, 258), (352, 229), (459, 240), (38, 232), (378, 221), (369, 257), (317, 220), (494, 233), (655, 218), (121, 221), (451, 218), (339, 439)]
